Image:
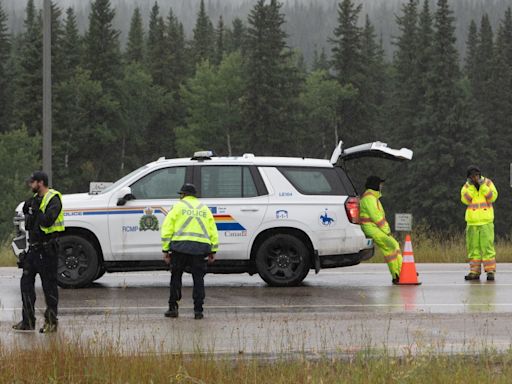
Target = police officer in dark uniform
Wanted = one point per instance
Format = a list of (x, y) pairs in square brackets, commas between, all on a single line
[(44, 220)]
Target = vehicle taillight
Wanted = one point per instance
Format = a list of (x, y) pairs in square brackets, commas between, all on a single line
[(352, 208)]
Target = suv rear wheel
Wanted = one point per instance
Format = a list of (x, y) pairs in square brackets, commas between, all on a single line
[(283, 260), (78, 262)]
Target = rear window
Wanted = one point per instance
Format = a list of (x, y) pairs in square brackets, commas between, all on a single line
[(318, 181)]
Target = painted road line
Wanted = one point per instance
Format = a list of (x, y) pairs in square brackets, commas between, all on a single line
[(284, 306)]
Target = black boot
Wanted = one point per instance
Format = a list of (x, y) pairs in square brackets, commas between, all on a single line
[(23, 327), (490, 276), (198, 315), (472, 276), (172, 311)]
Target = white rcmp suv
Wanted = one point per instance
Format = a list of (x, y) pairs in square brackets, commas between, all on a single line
[(279, 217)]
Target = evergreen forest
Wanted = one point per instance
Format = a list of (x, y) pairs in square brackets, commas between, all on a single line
[(240, 86)]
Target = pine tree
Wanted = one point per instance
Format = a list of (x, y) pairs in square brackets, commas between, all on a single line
[(483, 64), (220, 47), (351, 69), (471, 50), (102, 52), (135, 47), (157, 54), (424, 52), (273, 84), (236, 41), (71, 45), (204, 40), (499, 122), (29, 78), (449, 136), (320, 61), (5, 47), (177, 51)]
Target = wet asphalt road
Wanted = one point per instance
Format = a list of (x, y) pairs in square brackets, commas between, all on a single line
[(341, 310)]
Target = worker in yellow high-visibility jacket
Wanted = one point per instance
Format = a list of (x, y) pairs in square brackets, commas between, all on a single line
[(189, 239), (374, 224), (479, 193)]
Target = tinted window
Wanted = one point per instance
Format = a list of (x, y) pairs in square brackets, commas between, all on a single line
[(162, 184), (314, 181), (227, 181)]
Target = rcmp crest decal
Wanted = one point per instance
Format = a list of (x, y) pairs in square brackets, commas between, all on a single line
[(148, 222)]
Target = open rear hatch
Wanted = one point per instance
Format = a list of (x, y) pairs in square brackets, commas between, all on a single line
[(375, 149)]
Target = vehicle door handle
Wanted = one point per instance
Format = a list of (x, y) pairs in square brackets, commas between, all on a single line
[(249, 210)]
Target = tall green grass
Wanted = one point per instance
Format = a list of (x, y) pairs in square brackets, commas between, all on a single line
[(7, 258), (432, 247), (63, 361)]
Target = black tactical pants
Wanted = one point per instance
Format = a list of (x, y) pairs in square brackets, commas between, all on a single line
[(40, 259), (196, 264)]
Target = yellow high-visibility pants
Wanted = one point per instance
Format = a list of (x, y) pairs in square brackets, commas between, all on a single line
[(480, 248), (388, 246)]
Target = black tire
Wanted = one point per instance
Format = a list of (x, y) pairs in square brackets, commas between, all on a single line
[(283, 260), (78, 262), (101, 271)]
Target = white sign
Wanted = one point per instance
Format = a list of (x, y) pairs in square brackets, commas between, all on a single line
[(403, 222), (96, 188)]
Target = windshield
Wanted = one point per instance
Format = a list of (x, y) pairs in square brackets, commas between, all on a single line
[(123, 179)]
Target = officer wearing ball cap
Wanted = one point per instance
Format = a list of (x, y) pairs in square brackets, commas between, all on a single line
[(374, 224), (189, 239), (479, 193), (44, 220)]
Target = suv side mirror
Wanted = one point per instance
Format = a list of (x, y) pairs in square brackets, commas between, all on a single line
[(124, 195)]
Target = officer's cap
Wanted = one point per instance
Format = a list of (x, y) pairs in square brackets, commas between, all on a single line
[(373, 182), (38, 176), (188, 189), (473, 170)]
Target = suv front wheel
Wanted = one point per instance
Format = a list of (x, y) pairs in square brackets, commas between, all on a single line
[(78, 262), (283, 260)]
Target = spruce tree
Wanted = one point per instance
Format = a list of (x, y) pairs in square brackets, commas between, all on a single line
[(236, 41), (204, 37), (471, 50), (29, 78), (273, 84), (5, 47), (449, 136), (71, 45), (499, 122), (220, 46), (320, 61), (179, 67), (157, 54), (135, 47), (350, 67), (102, 52), (405, 96)]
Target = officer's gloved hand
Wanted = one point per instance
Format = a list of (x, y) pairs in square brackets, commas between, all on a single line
[(480, 181), (27, 206)]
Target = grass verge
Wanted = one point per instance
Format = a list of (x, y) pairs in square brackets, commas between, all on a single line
[(61, 361), (7, 258), (438, 248)]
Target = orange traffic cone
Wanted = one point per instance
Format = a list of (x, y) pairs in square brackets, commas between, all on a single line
[(408, 275)]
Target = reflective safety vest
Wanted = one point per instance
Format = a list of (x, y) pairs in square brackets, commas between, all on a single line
[(371, 212), (190, 221), (58, 225), (479, 209)]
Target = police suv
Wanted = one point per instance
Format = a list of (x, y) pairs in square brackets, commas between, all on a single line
[(279, 217)]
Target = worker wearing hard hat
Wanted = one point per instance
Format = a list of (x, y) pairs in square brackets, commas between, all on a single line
[(374, 224), (479, 193)]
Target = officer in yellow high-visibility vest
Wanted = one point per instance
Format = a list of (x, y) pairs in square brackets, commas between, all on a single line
[(374, 224), (44, 220), (479, 193), (189, 239)]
